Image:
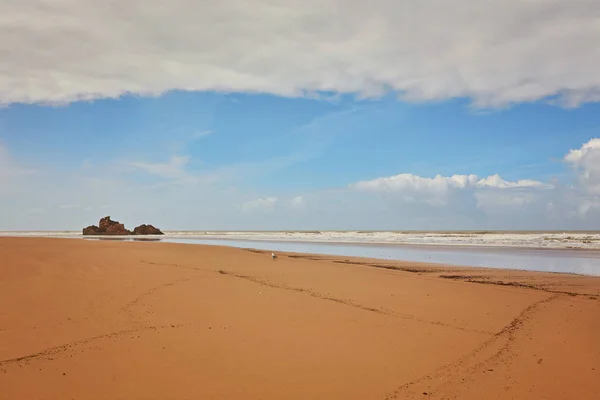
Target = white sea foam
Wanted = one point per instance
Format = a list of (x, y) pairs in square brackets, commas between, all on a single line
[(40, 233), (552, 240), (583, 240)]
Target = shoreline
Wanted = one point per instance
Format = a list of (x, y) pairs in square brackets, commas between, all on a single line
[(442, 246), (360, 259), (88, 319), (572, 261)]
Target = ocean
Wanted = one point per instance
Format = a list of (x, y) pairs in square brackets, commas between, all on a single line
[(518, 239)]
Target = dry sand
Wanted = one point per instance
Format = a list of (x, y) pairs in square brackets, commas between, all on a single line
[(121, 320)]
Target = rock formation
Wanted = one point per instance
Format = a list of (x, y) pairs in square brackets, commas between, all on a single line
[(146, 230), (117, 229), (90, 230), (109, 227)]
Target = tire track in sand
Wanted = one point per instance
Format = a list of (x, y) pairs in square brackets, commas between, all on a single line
[(127, 308), (51, 351), (469, 362), (350, 303)]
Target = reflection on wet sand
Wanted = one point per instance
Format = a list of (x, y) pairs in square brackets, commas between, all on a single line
[(123, 239), (585, 262)]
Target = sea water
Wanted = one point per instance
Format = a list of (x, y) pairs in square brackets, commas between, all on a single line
[(571, 252), (548, 260)]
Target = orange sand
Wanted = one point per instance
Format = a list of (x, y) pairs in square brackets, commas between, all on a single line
[(123, 320)]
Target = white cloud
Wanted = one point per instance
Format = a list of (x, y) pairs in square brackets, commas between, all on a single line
[(201, 134), (495, 181), (404, 201), (587, 205), (441, 184), (493, 195), (264, 204), (505, 202), (495, 52), (525, 200), (410, 182), (175, 168), (585, 192), (298, 202), (586, 162)]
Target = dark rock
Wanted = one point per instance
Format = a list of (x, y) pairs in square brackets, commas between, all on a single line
[(109, 227), (91, 230), (106, 223), (117, 229), (114, 228), (146, 230)]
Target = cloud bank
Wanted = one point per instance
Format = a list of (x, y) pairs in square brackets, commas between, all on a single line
[(496, 52), (408, 201), (173, 196), (441, 184), (586, 162)]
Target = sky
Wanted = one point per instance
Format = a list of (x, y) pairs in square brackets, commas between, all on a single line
[(300, 115)]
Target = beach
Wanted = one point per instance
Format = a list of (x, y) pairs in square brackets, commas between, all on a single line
[(84, 319)]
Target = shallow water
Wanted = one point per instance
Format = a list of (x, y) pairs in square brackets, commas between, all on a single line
[(576, 261), (571, 261)]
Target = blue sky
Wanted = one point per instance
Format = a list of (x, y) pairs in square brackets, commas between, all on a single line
[(265, 146), (292, 132)]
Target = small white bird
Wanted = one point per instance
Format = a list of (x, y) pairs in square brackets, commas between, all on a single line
[(273, 256)]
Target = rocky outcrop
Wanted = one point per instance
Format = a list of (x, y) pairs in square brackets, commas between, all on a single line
[(106, 223), (117, 229), (146, 230), (109, 227), (90, 230)]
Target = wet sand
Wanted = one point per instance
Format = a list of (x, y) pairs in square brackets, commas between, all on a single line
[(580, 261), (129, 320)]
